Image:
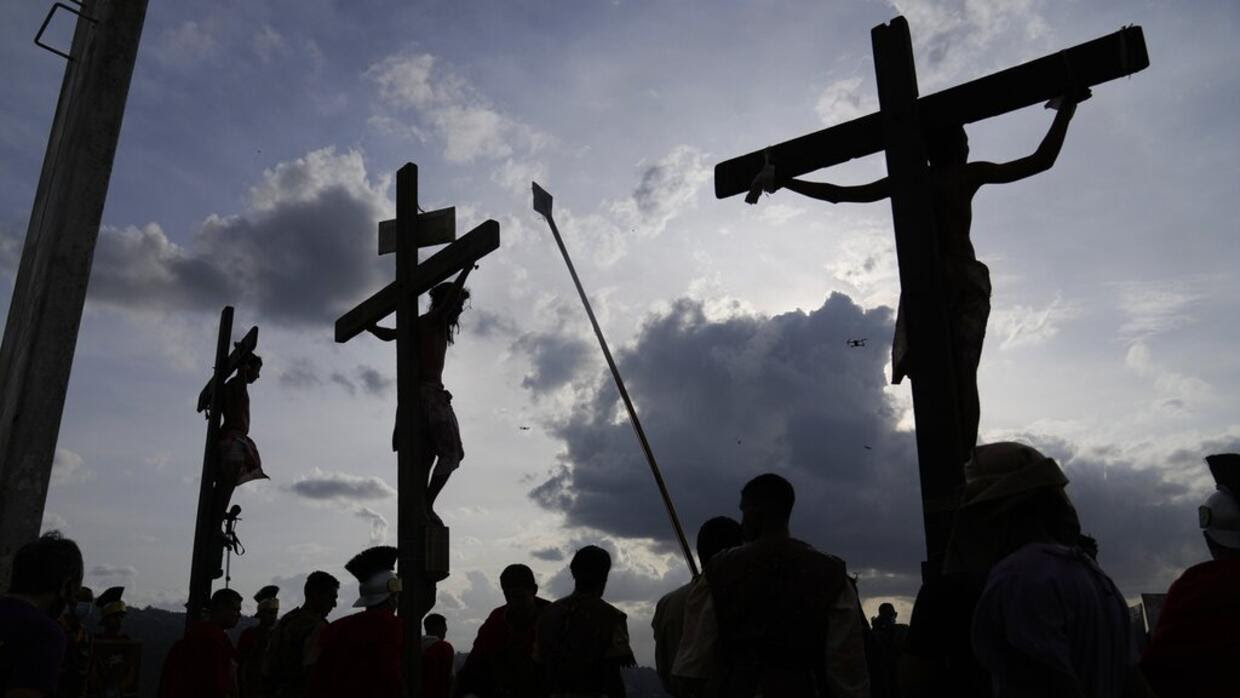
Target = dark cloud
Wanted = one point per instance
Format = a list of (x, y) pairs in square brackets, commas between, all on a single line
[(553, 554), (301, 255), (343, 381), (299, 374), (555, 359), (341, 486), (723, 401), (372, 380)]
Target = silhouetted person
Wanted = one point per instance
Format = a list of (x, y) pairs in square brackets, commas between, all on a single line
[(252, 645), (966, 281), (202, 664), (883, 658), (675, 620), (438, 431), (112, 610), (501, 662), (438, 658), (239, 461), (76, 667), (293, 646), (360, 654), (1195, 647), (789, 621), (114, 656), (47, 574), (1049, 621), (582, 640)]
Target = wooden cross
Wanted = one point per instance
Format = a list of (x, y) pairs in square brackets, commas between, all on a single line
[(898, 129), (423, 546), (207, 540)]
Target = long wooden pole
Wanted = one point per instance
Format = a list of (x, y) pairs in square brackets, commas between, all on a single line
[(542, 204)]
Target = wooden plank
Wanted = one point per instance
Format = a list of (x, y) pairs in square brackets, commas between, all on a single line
[(243, 349), (434, 228), (1091, 63), (475, 244)]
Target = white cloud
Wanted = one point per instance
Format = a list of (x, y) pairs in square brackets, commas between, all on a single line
[(844, 100), (665, 189), (53, 522), (449, 107), (186, 44), (516, 175), (113, 571), (778, 214), (1156, 307), (69, 468), (268, 44), (378, 524), (1025, 326)]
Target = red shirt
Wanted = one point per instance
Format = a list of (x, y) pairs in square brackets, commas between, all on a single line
[(200, 665), (437, 663), (360, 657), (1195, 649)]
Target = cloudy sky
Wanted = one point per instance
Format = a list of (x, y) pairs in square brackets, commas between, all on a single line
[(257, 155)]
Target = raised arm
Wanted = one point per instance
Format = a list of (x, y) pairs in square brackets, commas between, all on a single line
[(386, 334), (1042, 159)]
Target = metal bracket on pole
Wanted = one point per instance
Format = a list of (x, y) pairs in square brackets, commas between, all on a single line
[(38, 38)]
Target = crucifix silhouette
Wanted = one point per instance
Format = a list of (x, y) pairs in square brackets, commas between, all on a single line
[(929, 218), (421, 538)]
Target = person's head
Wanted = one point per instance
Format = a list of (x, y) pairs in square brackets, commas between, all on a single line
[(947, 145), (717, 535), (519, 587), (268, 605), (252, 368), (85, 603), (321, 591), (887, 611), (589, 568), (436, 625), (48, 571), (766, 506), (378, 586), (441, 296), (1219, 517), (224, 609)]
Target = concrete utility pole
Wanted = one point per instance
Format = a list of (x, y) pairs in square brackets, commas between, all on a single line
[(40, 333)]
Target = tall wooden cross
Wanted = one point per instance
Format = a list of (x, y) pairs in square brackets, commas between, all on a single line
[(423, 546), (208, 542), (898, 129)]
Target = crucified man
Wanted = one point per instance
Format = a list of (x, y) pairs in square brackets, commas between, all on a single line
[(438, 433), (966, 281)]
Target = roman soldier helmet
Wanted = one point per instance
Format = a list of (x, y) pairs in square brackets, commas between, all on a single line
[(374, 570), (109, 602), (1219, 517), (266, 598)]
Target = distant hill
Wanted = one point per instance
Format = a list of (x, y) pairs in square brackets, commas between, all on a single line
[(158, 629)]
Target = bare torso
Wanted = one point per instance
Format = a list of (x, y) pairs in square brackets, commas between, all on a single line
[(432, 347), (953, 198)]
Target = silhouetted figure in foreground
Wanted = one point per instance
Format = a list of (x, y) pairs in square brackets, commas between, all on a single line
[(1050, 622), (789, 621), (202, 664), (438, 658), (1195, 648), (112, 610), (501, 663), (439, 433), (582, 640), (252, 645), (292, 649), (360, 654), (76, 668), (966, 281), (115, 658), (685, 637), (47, 574), (883, 658)]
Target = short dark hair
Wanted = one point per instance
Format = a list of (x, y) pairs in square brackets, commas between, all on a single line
[(717, 535), (320, 581), (433, 621), (771, 492), (946, 143), (517, 576), (44, 565), (886, 606), (590, 566), (224, 596)]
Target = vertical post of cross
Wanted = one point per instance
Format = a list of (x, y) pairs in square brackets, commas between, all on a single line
[(925, 310), (205, 534), (410, 478)]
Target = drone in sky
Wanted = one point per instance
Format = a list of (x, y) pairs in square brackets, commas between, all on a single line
[(855, 343)]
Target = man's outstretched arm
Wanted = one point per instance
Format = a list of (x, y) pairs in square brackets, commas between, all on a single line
[(860, 194), (1042, 159), (386, 334)]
